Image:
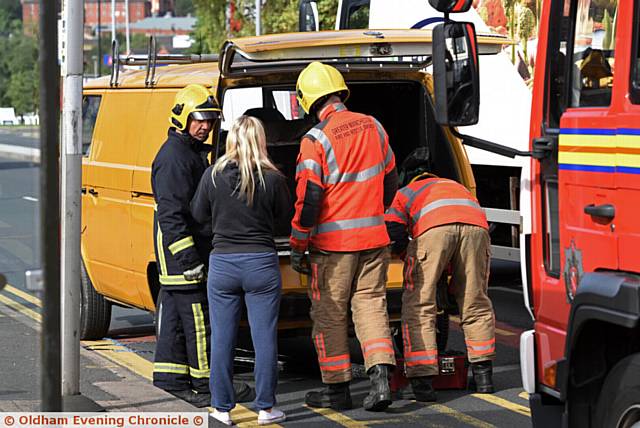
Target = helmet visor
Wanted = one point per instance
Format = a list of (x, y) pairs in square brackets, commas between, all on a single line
[(205, 115)]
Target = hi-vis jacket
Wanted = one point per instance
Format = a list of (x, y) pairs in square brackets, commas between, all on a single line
[(175, 175), (346, 176), (432, 202)]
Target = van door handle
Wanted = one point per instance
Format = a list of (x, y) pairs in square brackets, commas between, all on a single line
[(83, 190), (140, 194), (93, 192), (605, 211)]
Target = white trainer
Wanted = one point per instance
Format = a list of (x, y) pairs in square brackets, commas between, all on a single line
[(272, 417), (222, 417)]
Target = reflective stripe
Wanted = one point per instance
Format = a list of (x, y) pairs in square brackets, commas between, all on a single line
[(443, 203), (316, 134), (175, 280), (398, 213), (428, 357), (358, 177), (408, 273), (181, 244), (199, 374), (481, 346), (299, 235), (413, 194), (337, 363), (377, 345), (170, 368), (315, 291), (311, 165), (201, 336), (356, 223), (381, 134), (162, 261)]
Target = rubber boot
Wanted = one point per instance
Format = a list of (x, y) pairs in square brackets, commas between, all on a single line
[(335, 396), (243, 392), (423, 389), (379, 396), (482, 380), (202, 399)]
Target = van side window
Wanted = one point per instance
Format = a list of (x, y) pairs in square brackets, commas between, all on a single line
[(635, 63), (593, 53), (90, 107), (354, 14)]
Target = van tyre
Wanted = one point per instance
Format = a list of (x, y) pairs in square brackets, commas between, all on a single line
[(95, 310), (619, 401)]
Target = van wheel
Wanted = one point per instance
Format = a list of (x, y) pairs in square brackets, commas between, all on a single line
[(95, 310), (619, 401)]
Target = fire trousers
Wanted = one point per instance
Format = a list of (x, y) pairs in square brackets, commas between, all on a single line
[(182, 352), (467, 248), (337, 280)]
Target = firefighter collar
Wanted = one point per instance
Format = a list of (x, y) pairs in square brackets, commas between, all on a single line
[(330, 109)]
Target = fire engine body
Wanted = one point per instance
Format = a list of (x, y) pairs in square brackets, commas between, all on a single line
[(581, 362)]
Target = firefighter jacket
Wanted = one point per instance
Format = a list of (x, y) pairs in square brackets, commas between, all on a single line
[(180, 244), (345, 178), (428, 203)]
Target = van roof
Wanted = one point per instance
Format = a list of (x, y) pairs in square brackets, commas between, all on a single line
[(167, 76)]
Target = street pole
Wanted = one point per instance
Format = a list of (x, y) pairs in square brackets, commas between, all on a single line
[(126, 26), (258, 17), (99, 37), (50, 206), (72, 65), (113, 20)]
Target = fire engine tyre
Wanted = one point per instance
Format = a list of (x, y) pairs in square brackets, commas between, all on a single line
[(619, 400), (95, 310)]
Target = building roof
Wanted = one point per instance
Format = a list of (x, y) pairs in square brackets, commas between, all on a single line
[(186, 23)]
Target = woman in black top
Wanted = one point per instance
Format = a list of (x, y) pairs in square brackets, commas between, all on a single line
[(241, 196)]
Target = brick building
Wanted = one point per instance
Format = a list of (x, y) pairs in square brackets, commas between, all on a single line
[(138, 10)]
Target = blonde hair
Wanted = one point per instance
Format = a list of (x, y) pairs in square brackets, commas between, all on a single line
[(247, 147)]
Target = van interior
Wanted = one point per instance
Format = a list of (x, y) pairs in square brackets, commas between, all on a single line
[(402, 107)]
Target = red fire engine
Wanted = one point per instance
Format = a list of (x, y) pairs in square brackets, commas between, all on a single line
[(581, 362)]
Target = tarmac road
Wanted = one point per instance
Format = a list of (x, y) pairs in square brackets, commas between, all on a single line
[(131, 341)]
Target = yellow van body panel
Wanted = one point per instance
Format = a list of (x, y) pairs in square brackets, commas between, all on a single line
[(117, 240)]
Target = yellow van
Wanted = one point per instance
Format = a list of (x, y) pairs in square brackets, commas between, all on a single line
[(126, 121)]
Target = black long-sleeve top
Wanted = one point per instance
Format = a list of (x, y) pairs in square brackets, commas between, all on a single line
[(236, 226)]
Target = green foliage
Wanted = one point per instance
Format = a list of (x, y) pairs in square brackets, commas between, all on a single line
[(184, 7), (278, 16), (19, 75), (607, 24)]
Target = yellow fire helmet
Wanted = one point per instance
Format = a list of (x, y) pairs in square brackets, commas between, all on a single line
[(194, 101), (317, 81)]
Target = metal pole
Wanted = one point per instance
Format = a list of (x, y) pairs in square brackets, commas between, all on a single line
[(50, 206), (71, 198), (126, 26), (113, 20), (99, 37), (258, 17)]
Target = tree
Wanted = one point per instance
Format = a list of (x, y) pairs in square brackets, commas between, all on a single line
[(20, 60), (184, 7)]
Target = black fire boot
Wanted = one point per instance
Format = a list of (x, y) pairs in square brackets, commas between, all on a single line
[(197, 399), (244, 393), (482, 380), (422, 388), (335, 396), (379, 396)]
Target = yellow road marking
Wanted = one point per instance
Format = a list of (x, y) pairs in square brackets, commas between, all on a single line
[(462, 417), (26, 296), (338, 417), (20, 308), (500, 331), (505, 404), (524, 395)]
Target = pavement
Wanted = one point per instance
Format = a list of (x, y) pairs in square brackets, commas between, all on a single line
[(116, 371)]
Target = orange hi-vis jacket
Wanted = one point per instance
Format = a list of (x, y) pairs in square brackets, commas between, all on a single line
[(433, 202), (346, 177)]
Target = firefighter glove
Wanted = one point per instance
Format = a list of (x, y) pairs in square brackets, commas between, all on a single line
[(300, 262), (196, 274)]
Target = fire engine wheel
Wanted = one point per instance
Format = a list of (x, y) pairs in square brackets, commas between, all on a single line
[(619, 400), (95, 310)]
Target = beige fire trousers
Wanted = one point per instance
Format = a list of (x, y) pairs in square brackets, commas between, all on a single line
[(467, 248), (340, 279)]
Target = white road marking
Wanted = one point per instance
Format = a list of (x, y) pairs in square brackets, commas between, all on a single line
[(30, 198)]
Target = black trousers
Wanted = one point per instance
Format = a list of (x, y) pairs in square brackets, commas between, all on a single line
[(182, 349)]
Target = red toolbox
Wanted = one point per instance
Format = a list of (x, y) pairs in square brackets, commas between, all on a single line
[(453, 372)]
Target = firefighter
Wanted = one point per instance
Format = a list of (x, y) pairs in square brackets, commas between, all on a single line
[(181, 364), (345, 177), (448, 228)]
